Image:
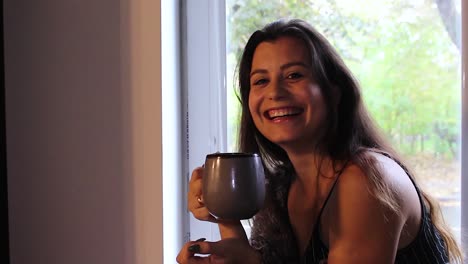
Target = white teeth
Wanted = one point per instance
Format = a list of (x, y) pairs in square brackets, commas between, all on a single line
[(283, 112)]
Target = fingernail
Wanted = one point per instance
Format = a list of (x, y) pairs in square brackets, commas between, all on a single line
[(200, 239), (195, 248)]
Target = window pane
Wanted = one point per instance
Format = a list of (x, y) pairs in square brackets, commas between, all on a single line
[(406, 55)]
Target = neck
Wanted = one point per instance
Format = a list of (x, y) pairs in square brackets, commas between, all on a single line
[(310, 166)]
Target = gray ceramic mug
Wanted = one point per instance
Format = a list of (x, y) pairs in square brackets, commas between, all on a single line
[(233, 185)]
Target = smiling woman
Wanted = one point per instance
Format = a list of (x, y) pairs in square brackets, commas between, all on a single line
[(423, 124), (285, 101), (336, 191), (389, 70)]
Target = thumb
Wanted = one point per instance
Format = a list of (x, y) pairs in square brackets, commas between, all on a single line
[(206, 247)]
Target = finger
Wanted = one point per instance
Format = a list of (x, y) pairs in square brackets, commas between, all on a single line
[(195, 183), (184, 254), (202, 213), (193, 204), (195, 192), (188, 256), (206, 247), (197, 173), (195, 260)]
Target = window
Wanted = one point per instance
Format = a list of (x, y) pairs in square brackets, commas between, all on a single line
[(405, 53)]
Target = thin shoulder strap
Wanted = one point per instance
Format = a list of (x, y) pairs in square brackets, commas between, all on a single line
[(331, 191)]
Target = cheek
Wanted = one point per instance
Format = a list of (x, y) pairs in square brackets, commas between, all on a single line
[(253, 105), (314, 94), (254, 110)]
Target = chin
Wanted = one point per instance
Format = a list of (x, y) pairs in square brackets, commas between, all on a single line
[(284, 142)]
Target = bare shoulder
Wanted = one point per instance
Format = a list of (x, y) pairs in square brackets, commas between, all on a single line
[(357, 213), (398, 181), (391, 174)]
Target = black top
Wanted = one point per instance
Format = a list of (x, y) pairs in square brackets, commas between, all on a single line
[(272, 233), (427, 247)]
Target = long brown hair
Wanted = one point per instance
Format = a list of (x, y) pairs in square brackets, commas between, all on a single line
[(350, 132)]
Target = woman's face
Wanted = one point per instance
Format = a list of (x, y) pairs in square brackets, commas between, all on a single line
[(285, 102)]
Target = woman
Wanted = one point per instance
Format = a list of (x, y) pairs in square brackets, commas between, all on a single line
[(336, 191)]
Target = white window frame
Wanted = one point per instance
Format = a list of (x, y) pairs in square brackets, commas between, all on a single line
[(204, 44), (205, 103)]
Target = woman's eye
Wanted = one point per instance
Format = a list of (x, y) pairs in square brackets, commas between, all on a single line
[(294, 75), (260, 81)]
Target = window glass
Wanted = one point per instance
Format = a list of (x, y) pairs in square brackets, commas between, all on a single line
[(406, 56)]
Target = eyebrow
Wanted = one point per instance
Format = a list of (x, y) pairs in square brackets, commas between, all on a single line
[(284, 66)]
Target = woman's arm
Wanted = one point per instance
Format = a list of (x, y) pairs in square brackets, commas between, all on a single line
[(361, 228), (231, 229)]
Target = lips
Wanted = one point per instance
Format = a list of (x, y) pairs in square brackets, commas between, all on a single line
[(283, 112)]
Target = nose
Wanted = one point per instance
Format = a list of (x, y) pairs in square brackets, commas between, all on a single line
[(277, 90)]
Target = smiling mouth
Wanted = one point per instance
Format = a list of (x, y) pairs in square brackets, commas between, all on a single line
[(283, 112)]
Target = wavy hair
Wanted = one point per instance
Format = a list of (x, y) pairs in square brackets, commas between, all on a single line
[(350, 132)]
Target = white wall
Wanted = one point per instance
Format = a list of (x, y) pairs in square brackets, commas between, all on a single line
[(84, 130)]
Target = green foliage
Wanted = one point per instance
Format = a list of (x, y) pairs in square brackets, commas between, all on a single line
[(399, 50)]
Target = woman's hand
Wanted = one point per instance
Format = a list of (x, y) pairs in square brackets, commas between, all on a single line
[(226, 251), (195, 197), (227, 228)]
